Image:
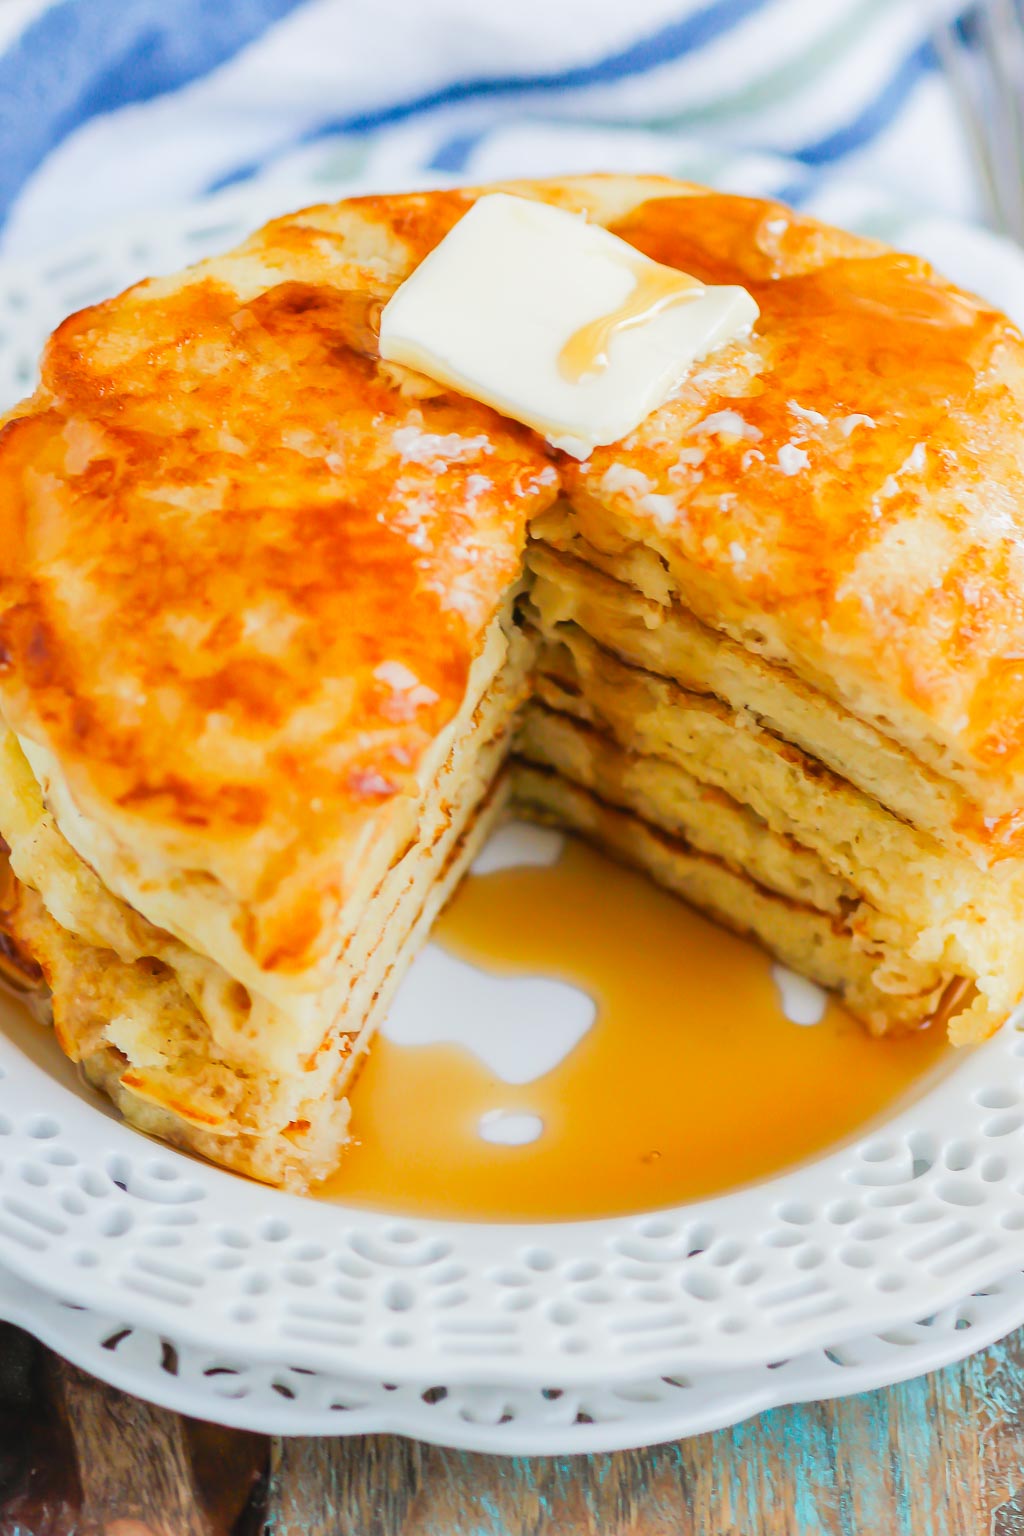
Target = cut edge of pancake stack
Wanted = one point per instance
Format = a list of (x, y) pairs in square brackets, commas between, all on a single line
[(597, 699), (758, 800), (185, 1051)]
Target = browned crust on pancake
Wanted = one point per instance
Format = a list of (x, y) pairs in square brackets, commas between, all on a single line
[(248, 521), (210, 537)]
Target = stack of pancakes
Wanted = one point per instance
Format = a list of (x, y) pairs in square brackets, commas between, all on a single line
[(284, 629)]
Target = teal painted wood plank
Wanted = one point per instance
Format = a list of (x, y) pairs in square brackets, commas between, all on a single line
[(940, 1456)]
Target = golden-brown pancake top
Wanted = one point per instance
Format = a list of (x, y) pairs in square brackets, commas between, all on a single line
[(244, 567), (862, 516), (243, 572)]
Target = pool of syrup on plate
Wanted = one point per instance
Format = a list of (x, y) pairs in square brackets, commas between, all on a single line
[(691, 1080)]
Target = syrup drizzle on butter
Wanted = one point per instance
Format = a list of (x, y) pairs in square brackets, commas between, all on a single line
[(656, 288)]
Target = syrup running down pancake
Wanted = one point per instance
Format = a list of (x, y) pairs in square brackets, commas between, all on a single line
[(286, 629)]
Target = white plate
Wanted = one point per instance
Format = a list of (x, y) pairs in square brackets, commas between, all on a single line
[(512, 1421), (857, 1243), (901, 1222)]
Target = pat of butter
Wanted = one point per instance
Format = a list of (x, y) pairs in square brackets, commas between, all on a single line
[(556, 322)]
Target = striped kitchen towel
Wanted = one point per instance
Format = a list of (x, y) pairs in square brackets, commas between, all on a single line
[(108, 107)]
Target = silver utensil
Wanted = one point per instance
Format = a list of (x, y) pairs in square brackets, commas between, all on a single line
[(983, 60)]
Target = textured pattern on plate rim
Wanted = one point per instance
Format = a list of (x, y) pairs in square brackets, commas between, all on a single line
[(519, 1421), (904, 1221)]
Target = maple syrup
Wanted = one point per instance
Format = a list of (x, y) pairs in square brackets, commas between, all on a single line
[(691, 1080), (657, 288)]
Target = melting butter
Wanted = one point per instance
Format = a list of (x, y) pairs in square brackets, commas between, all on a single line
[(556, 322)]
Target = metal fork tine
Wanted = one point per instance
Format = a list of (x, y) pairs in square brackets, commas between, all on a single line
[(999, 32), (952, 57)]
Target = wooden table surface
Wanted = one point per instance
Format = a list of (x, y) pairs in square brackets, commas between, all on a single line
[(940, 1456)]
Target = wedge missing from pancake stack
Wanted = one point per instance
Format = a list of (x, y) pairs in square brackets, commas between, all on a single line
[(729, 782), (274, 615)]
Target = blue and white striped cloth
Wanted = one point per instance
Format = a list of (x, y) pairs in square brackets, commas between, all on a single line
[(109, 107)]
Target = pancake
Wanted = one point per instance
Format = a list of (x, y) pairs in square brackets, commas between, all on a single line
[(285, 630)]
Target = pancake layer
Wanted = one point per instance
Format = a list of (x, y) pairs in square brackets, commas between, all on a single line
[(273, 615), (188, 1051), (621, 725)]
